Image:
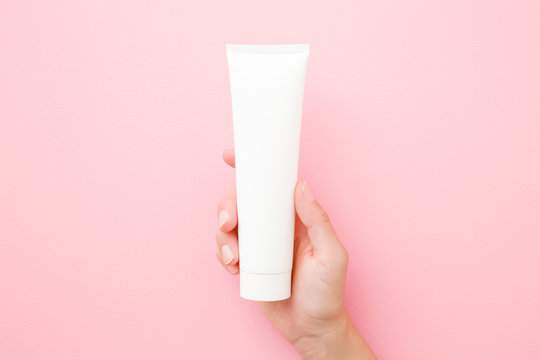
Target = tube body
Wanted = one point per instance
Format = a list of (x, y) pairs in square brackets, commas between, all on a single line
[(267, 87)]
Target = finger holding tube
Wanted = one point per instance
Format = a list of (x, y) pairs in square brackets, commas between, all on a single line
[(227, 250), (228, 157), (227, 217)]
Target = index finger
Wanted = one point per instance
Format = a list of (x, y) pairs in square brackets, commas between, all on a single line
[(227, 212), (228, 156)]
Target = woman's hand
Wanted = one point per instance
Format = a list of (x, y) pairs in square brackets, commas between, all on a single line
[(314, 318)]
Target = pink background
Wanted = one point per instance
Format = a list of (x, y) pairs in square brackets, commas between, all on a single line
[(420, 136)]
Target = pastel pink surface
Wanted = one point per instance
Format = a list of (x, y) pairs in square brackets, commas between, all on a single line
[(420, 136)]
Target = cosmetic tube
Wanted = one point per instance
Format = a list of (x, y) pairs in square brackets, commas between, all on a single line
[(267, 88)]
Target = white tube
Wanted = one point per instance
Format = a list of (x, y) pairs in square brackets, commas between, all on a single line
[(267, 88)]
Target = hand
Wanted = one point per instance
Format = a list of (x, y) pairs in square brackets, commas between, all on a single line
[(314, 318)]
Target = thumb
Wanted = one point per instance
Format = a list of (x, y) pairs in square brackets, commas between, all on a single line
[(320, 231)]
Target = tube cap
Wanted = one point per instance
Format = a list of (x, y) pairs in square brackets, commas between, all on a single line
[(265, 287)]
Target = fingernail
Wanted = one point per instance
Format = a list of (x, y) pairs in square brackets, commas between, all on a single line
[(227, 254), (223, 217), (307, 191)]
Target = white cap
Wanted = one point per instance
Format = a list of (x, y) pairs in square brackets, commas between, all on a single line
[(265, 287)]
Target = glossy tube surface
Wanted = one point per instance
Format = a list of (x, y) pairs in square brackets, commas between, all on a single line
[(267, 87)]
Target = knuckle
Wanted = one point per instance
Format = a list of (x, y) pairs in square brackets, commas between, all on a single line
[(220, 204), (218, 236), (322, 215), (343, 257), (227, 202)]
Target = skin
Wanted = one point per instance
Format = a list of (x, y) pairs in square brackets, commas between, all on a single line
[(314, 319)]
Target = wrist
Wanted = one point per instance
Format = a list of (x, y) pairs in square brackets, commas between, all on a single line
[(340, 339)]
